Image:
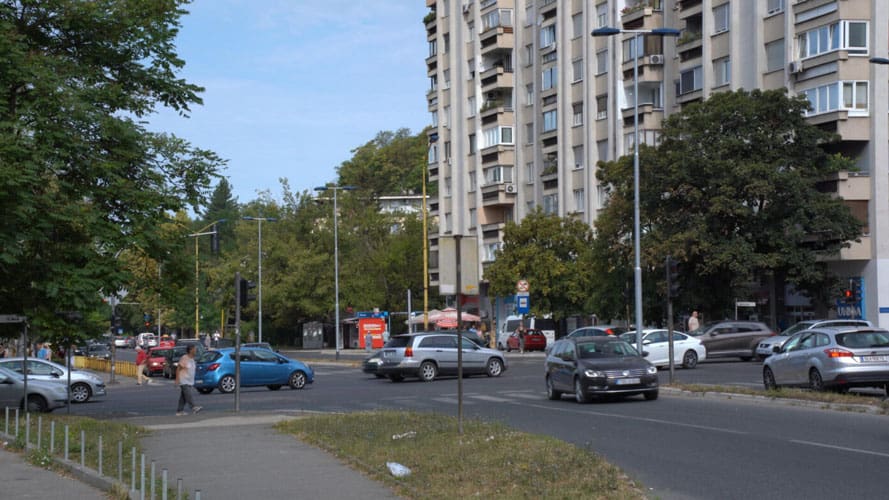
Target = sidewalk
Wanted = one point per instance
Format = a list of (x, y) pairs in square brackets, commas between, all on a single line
[(19, 479)]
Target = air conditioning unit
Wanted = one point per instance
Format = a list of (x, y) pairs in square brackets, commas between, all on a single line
[(510, 188), (656, 59), (796, 67)]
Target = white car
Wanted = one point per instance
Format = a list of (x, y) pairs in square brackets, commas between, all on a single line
[(687, 350), (84, 384), (766, 346)]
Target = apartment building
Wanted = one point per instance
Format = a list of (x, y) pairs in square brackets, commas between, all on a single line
[(524, 102)]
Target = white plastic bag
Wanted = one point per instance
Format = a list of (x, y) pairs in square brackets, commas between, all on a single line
[(397, 469)]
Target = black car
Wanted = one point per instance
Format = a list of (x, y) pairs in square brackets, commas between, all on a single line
[(171, 360), (590, 366)]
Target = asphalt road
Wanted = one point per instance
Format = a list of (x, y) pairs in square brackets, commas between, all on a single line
[(680, 447)]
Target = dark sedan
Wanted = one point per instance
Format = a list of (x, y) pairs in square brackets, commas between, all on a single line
[(591, 366)]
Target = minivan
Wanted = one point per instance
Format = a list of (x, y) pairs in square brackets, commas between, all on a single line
[(545, 325), (146, 340)]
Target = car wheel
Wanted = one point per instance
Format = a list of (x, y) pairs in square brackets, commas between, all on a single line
[(428, 371), (768, 379), (816, 383), (551, 392), (227, 384), (297, 380), (396, 377), (274, 387), (579, 393), (80, 393), (651, 395), (205, 390), (494, 368), (37, 404), (690, 359)]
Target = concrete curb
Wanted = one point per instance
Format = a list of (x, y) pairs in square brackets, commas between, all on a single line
[(823, 405)]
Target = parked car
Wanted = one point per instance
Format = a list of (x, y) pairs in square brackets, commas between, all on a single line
[(43, 395), (766, 345), (429, 354), (171, 360), (732, 338), (199, 347), (123, 341), (597, 331), (258, 345), (823, 357), (99, 351), (146, 340), (84, 384), (535, 340), (157, 358), (593, 366), (687, 351), (216, 370), (512, 322)]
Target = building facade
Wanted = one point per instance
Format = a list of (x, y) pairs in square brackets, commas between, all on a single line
[(524, 103)]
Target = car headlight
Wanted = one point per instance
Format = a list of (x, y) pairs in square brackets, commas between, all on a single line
[(375, 361), (652, 370), (594, 374)]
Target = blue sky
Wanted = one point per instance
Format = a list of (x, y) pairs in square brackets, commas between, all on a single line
[(293, 86)]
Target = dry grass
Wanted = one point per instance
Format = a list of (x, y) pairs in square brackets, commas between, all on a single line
[(851, 400), (488, 461)]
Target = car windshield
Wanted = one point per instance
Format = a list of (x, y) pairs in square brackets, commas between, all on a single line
[(610, 349), (802, 325), (160, 353), (863, 339)]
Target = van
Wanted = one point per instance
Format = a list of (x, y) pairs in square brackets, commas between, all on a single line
[(545, 325), (146, 340)]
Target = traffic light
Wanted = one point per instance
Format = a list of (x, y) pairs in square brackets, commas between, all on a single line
[(855, 285), (244, 292), (673, 287), (847, 295)]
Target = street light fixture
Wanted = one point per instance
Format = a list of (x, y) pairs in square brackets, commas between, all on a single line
[(637, 270), (336, 264), (260, 220), (197, 298)]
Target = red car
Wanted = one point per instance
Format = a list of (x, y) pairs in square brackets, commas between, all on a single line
[(157, 356), (535, 340)]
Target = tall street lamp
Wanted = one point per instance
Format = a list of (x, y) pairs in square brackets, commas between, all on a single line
[(637, 50), (197, 278), (260, 220), (336, 263)]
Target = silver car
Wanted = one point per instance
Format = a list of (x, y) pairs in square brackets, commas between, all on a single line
[(43, 396), (84, 384), (837, 358), (429, 354), (766, 345)]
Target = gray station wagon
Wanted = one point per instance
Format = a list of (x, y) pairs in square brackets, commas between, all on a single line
[(429, 354)]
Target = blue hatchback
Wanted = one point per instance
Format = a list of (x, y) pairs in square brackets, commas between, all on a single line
[(216, 370)]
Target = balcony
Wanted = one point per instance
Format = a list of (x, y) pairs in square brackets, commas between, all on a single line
[(497, 77), (633, 16), (501, 194)]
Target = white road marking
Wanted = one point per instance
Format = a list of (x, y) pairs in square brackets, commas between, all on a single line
[(493, 399), (841, 448)]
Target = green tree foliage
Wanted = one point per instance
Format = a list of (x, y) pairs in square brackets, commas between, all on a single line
[(391, 163), (551, 253), (81, 179), (732, 192)]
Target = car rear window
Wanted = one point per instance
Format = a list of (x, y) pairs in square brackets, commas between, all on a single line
[(209, 356), (544, 324), (398, 342), (863, 339)]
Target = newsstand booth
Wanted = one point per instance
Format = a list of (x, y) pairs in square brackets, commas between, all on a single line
[(373, 326)]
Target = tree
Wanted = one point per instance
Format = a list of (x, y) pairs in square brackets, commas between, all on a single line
[(549, 252), (81, 179), (391, 163), (733, 191)]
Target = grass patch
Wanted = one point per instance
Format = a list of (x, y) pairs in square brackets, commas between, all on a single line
[(849, 401), (489, 460)]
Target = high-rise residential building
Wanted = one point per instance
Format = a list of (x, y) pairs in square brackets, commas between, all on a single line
[(524, 102)]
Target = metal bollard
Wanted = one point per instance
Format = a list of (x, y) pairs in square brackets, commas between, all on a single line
[(99, 468), (163, 484), (27, 430), (7, 422), (16, 422), (179, 488), (151, 482), (66, 442), (133, 471), (52, 437), (39, 429), (120, 461), (142, 478), (197, 494), (82, 448)]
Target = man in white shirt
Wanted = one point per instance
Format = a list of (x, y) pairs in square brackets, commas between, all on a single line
[(185, 380), (693, 322)]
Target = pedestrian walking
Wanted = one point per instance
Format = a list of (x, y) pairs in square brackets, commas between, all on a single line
[(693, 323), (141, 363), (185, 381), (520, 333)]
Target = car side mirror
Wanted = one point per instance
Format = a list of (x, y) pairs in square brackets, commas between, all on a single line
[(644, 354), (645, 342), (777, 349)]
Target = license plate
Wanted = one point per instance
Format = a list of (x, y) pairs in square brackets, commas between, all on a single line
[(627, 381), (875, 358), (388, 354)]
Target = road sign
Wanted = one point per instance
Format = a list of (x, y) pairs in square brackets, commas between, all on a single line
[(522, 286), (523, 303), (12, 318), (745, 304)]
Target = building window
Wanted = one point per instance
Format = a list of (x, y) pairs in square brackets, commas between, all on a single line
[(549, 121), (470, 31), (494, 136), (433, 47), (433, 154), (529, 94), (847, 35), (551, 204), (549, 57), (529, 172), (601, 107), (602, 150), (446, 117), (497, 175), (470, 106), (774, 6), (550, 78), (579, 200), (472, 144), (434, 118), (433, 83), (827, 98), (690, 80), (471, 67), (577, 24), (577, 69), (721, 18), (496, 18), (601, 62), (529, 54), (577, 109), (578, 156), (602, 15), (472, 217), (722, 71), (529, 133), (629, 49), (446, 76), (547, 36), (447, 150), (446, 38), (775, 55)]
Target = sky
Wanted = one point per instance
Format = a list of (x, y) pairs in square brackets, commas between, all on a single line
[(293, 86)]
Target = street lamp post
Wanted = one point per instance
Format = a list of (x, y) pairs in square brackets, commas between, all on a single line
[(637, 264), (259, 258), (336, 263), (197, 278)]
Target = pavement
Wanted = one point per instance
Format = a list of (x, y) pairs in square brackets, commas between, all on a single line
[(223, 456)]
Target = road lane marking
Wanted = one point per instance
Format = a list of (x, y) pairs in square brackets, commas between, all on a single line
[(841, 448), (493, 399)]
